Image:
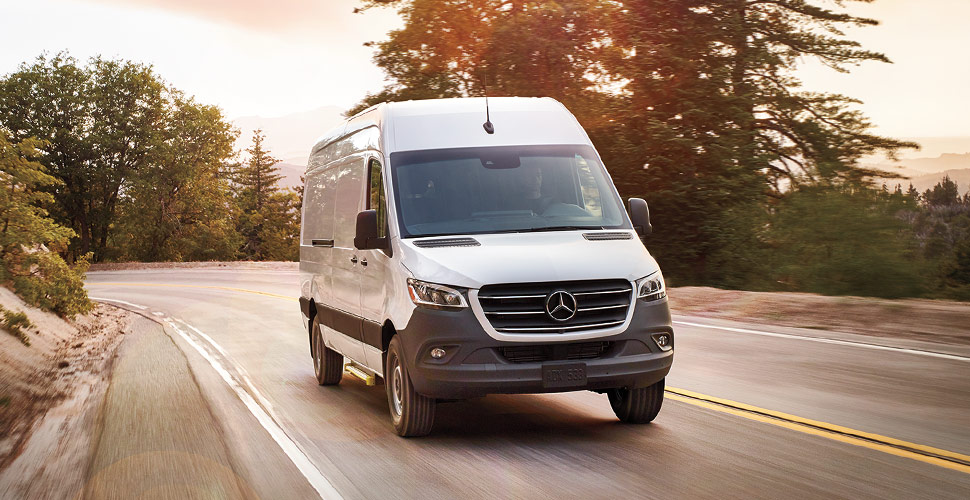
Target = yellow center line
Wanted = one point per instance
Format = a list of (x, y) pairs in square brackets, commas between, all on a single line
[(834, 432), (839, 433), (824, 425)]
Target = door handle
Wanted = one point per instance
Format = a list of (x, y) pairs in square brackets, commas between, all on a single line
[(353, 259), (363, 262)]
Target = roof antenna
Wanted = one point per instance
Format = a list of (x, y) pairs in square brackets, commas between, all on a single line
[(489, 128)]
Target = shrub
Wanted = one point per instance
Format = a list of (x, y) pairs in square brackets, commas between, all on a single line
[(15, 323), (47, 282)]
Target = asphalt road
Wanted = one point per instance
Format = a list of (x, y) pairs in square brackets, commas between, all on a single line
[(795, 414)]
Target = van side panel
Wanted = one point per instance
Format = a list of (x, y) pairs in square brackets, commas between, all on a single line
[(317, 240), (345, 286)]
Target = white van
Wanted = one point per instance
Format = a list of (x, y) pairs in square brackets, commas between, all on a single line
[(454, 258)]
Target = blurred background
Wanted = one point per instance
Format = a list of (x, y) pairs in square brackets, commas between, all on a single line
[(819, 147)]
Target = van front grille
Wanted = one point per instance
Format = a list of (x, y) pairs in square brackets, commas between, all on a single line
[(521, 307), (540, 353)]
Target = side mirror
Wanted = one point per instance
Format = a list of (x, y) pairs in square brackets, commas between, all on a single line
[(640, 216), (366, 237)]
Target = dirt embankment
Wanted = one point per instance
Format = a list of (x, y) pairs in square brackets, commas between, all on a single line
[(918, 319), (66, 364)]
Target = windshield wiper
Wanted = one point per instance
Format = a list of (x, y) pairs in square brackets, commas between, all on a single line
[(564, 228)]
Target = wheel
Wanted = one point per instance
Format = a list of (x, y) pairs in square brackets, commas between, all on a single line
[(328, 364), (637, 406), (411, 413)]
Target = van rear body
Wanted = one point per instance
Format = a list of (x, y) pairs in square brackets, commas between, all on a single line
[(453, 262)]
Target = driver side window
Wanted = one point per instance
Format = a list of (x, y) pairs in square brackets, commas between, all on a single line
[(375, 200)]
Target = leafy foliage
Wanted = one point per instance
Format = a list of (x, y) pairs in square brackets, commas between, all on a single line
[(452, 48), (29, 238), (693, 105), (100, 123), (941, 220), (139, 164), (844, 241), (15, 323), (179, 206)]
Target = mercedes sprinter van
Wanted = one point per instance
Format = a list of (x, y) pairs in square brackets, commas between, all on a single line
[(454, 252)]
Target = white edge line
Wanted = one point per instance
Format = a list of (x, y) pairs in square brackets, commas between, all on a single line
[(119, 301), (823, 340), (245, 376), (313, 475)]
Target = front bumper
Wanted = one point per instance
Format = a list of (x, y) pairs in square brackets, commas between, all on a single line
[(475, 363)]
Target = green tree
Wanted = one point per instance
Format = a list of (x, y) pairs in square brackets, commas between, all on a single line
[(843, 241), (527, 48), (718, 115), (942, 225), (29, 239), (178, 207), (693, 104), (268, 216), (101, 123), (142, 168), (944, 193)]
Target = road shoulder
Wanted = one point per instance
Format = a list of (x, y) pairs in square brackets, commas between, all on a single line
[(158, 436)]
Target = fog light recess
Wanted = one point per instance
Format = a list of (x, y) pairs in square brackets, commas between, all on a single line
[(664, 341)]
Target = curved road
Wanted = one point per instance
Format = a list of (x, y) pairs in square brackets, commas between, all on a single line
[(752, 411)]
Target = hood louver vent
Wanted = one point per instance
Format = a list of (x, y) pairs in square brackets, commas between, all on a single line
[(447, 242), (607, 236)]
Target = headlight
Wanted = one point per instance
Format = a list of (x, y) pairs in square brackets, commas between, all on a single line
[(435, 296), (652, 287)]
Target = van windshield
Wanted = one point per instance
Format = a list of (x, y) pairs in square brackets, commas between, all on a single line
[(503, 189)]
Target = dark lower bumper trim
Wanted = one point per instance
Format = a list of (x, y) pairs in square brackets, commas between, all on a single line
[(472, 380)]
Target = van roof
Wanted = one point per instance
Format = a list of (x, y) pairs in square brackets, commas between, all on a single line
[(457, 122)]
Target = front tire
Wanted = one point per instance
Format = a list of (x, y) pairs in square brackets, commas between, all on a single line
[(328, 365), (411, 413), (637, 406)]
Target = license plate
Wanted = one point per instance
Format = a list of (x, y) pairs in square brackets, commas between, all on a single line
[(569, 375)]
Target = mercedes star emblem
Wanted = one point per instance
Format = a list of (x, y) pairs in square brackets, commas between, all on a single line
[(561, 305)]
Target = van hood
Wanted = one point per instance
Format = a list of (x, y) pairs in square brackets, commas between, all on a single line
[(528, 257)]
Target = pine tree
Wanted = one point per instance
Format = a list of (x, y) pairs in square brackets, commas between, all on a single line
[(268, 217), (694, 105), (717, 114), (453, 48)]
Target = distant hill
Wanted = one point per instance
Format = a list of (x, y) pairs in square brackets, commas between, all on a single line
[(924, 182), (291, 174), (931, 147), (919, 166), (924, 173), (290, 137)]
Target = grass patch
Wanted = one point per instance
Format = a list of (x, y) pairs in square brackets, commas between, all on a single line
[(16, 324)]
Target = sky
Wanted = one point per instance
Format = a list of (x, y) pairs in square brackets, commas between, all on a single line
[(264, 58)]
